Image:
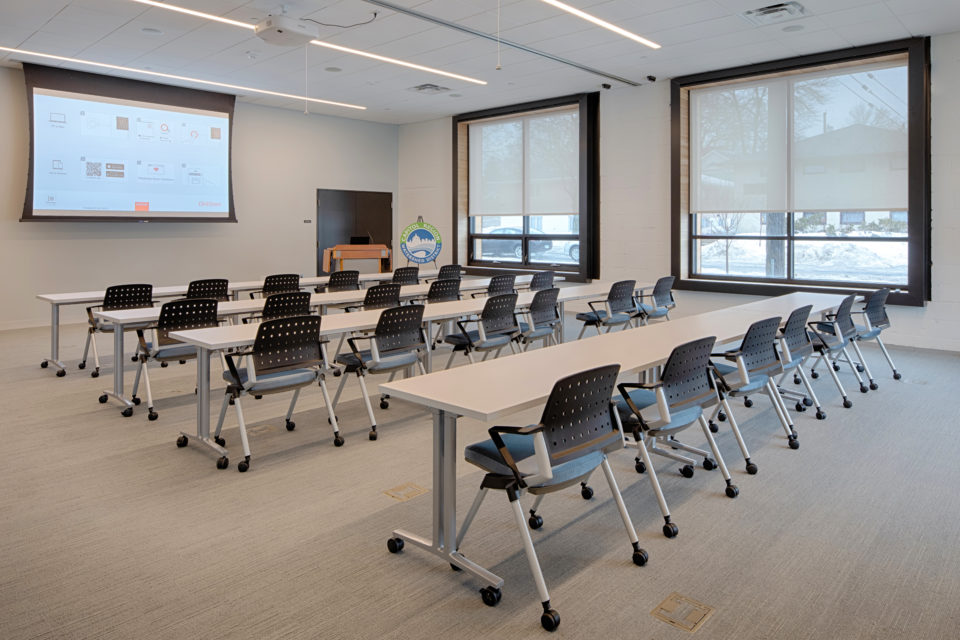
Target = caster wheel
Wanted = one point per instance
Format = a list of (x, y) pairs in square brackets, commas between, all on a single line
[(258, 397), (223, 462), (732, 491), (126, 413), (291, 425), (896, 375), (455, 567), (490, 596), (134, 359), (232, 402), (163, 365), (751, 468), (153, 415), (61, 373), (722, 417), (799, 407), (874, 386), (863, 388), (686, 471), (807, 402), (102, 399), (550, 620), (243, 465), (814, 375), (384, 404), (45, 364), (747, 402), (395, 545), (847, 403), (338, 440), (670, 530), (82, 365), (135, 400), (860, 368), (709, 464), (535, 522), (836, 367), (821, 415), (586, 493), (640, 467), (182, 442), (373, 435), (796, 380), (714, 428), (220, 441), (183, 362), (794, 443), (337, 373), (94, 374), (640, 557)]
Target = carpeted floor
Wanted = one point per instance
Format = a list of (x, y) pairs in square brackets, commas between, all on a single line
[(108, 530)]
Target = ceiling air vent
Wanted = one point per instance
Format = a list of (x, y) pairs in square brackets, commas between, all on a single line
[(775, 14), (429, 89)]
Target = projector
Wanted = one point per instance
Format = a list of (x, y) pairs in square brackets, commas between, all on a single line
[(285, 31)]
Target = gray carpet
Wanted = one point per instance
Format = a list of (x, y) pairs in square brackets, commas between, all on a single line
[(108, 530)]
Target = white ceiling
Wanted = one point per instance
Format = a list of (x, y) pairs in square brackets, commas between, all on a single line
[(697, 35)]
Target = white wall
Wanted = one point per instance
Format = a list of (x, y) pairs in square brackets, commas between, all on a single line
[(425, 184), (280, 158)]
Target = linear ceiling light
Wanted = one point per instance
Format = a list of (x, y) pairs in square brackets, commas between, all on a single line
[(600, 23), (319, 43), (171, 76)]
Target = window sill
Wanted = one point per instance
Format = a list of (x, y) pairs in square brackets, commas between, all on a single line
[(898, 296)]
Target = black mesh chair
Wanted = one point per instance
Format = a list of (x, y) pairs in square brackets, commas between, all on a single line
[(396, 345), (211, 289), (618, 309), (279, 283), (658, 303), (444, 290), (381, 296), (754, 366), (283, 305), (178, 315), (342, 281), (875, 320), (496, 328), (831, 339), (117, 297), (450, 272), (406, 275), (795, 347), (285, 357), (677, 401), (575, 433), (499, 285), (541, 280), (541, 320)]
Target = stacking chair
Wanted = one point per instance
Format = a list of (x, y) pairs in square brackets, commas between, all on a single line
[(542, 319), (499, 285), (443, 290), (541, 280), (450, 272), (212, 289), (121, 296), (406, 275), (875, 320), (659, 302), (397, 344), (178, 315), (572, 439), (380, 296), (279, 283), (342, 281), (496, 328), (285, 357), (831, 339), (756, 363), (618, 309), (795, 347), (284, 305), (685, 388)]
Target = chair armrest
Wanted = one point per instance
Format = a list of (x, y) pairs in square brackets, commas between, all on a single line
[(463, 329), (622, 388), (232, 366), (478, 294), (728, 355), (721, 382), (352, 342), (495, 433), (593, 308)]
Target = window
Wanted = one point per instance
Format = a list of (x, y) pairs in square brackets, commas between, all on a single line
[(795, 175), (521, 196)]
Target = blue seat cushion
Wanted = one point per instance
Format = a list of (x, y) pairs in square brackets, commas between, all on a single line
[(600, 317), (534, 334), (757, 380), (492, 342), (274, 381), (643, 398), (865, 334), (387, 363), (175, 352), (486, 456), (652, 311)]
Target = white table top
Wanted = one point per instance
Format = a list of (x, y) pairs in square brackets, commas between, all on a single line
[(494, 389)]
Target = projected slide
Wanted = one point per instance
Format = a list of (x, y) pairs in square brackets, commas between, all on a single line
[(96, 156)]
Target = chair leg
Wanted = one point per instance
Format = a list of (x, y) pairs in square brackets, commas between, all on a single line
[(151, 414), (450, 359), (583, 329), (336, 397), (293, 401), (223, 415), (813, 396), (669, 528), (731, 489), (244, 464), (751, 467), (477, 501), (836, 380), (423, 370), (86, 348), (331, 415), (366, 402), (866, 367), (530, 551), (886, 354), (782, 414), (853, 367), (624, 515), (96, 356), (536, 521)]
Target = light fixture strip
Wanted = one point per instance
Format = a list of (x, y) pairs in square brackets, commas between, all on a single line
[(319, 43), (171, 76), (601, 23)]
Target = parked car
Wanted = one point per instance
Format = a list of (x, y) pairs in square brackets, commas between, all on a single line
[(512, 246)]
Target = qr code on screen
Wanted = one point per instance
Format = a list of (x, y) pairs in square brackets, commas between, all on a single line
[(93, 169)]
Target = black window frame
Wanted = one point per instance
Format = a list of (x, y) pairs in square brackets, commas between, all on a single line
[(918, 288)]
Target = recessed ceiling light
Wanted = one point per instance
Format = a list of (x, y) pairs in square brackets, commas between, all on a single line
[(157, 74), (333, 69), (793, 28), (152, 31), (601, 23), (251, 54)]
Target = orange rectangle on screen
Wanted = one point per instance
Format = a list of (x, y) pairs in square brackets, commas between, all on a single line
[(141, 206)]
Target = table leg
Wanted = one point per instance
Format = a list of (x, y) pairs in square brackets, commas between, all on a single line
[(444, 541), (54, 358), (429, 364), (203, 407), (563, 321), (117, 393)]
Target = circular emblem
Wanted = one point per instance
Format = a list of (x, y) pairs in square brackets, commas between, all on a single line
[(420, 243)]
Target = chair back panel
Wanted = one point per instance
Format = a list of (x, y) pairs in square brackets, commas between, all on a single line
[(382, 296), (497, 315), (344, 281), (449, 272), (400, 329), (128, 296), (180, 315), (444, 290), (287, 343), (543, 308), (577, 419), (500, 285), (286, 305), (843, 318), (758, 350), (662, 292), (406, 275), (795, 334), (876, 308), (686, 376), (541, 280), (215, 288), (620, 298), (281, 283)]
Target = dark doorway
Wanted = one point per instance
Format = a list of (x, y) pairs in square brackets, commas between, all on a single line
[(343, 214)]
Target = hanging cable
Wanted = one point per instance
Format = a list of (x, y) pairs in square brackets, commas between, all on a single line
[(498, 36), (343, 26)]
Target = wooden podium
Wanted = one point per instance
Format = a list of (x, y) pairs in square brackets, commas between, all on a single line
[(334, 257)]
